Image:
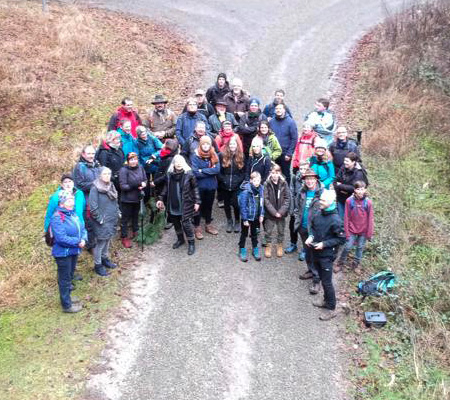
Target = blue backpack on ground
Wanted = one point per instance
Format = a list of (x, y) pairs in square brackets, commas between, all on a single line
[(378, 284)]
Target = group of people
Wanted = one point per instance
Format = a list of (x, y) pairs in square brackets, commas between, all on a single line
[(223, 145)]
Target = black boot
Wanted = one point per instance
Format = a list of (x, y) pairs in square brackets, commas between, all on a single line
[(106, 262), (229, 225), (100, 270), (191, 247), (180, 241)]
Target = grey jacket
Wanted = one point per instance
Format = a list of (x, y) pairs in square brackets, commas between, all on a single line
[(104, 213)]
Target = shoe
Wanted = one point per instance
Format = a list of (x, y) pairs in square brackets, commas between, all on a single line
[(229, 225), (180, 241), (243, 254), (327, 315), (268, 252), (211, 229), (306, 275), (77, 277), (279, 250), (301, 255), (74, 308), (75, 299), (221, 204), (237, 226), (126, 242), (198, 232), (106, 262), (168, 225), (314, 288), (337, 267), (255, 254), (319, 303), (291, 248), (191, 247), (100, 270)]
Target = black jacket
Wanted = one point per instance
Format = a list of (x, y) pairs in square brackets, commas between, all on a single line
[(111, 158), (230, 178), (130, 179), (261, 164), (189, 193), (215, 93), (326, 227), (339, 151), (347, 179), (160, 177), (248, 126), (299, 200)]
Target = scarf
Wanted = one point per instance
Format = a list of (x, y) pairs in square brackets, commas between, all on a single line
[(107, 188), (208, 155)]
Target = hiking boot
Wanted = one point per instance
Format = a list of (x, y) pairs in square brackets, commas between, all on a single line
[(75, 299), (168, 225), (327, 315), (74, 308), (191, 247), (126, 242), (301, 255), (198, 232), (243, 254), (319, 303), (279, 250), (356, 267), (106, 262), (338, 266), (314, 288), (306, 275), (100, 270), (180, 241), (255, 253), (211, 229), (268, 251), (237, 226), (221, 204), (77, 277), (229, 225), (291, 248)]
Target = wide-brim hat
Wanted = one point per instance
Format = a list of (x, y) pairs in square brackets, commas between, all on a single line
[(159, 98), (310, 173)]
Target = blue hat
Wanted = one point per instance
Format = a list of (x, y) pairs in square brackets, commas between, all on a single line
[(255, 100)]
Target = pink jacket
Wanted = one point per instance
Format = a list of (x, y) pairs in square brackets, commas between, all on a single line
[(358, 218)]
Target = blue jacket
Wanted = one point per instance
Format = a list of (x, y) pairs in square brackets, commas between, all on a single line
[(80, 205), (186, 125), (68, 231), (207, 179), (129, 143), (269, 110), (285, 130), (149, 149), (324, 169), (84, 175), (247, 202)]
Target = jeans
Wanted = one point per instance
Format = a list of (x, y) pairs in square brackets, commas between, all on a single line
[(285, 167), (101, 250), (324, 266), (359, 241), (181, 225), (207, 197), (253, 226), (309, 256), (341, 209), (130, 213), (269, 225), (66, 269), (230, 201)]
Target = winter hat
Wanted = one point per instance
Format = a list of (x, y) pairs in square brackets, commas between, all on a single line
[(255, 100), (66, 176), (205, 139), (171, 144), (310, 172), (320, 144), (222, 75), (221, 102), (199, 92), (64, 195)]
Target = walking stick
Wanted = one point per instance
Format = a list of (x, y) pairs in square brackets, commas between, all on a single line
[(141, 213)]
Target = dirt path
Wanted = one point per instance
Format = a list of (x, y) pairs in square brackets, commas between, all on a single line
[(209, 326)]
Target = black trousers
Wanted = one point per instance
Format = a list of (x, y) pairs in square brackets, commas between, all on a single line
[(207, 197), (231, 201), (285, 167), (309, 256), (181, 226), (130, 213), (253, 227), (293, 233), (324, 266)]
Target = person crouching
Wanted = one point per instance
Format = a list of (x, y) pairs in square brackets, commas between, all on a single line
[(276, 204)]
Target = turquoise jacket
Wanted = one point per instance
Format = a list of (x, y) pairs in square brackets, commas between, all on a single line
[(324, 169), (129, 144), (80, 205)]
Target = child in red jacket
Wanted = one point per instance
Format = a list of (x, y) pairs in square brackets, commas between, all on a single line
[(358, 224)]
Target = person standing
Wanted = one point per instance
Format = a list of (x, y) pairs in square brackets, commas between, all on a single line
[(125, 111), (110, 154), (341, 147), (149, 148), (304, 149), (215, 120), (286, 132), (248, 124), (161, 120), (129, 143), (276, 203), (258, 161), (70, 237), (271, 146), (187, 121), (269, 109), (237, 100), (218, 90), (326, 234), (320, 162), (104, 208), (322, 120), (225, 135)]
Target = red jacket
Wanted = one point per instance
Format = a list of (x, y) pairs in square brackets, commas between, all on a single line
[(222, 140), (120, 114), (358, 217), (304, 148)]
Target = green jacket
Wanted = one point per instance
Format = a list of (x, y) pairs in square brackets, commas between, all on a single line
[(272, 147)]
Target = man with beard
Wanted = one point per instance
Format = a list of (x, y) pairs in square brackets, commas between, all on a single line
[(161, 120)]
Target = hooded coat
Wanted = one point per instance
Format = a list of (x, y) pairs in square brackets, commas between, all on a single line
[(324, 169), (347, 179), (186, 125), (85, 173), (286, 132), (215, 93), (80, 205), (131, 179), (248, 128), (247, 202), (299, 201), (261, 164), (112, 158)]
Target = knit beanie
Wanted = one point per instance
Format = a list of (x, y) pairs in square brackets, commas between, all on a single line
[(255, 100), (222, 75), (66, 176)]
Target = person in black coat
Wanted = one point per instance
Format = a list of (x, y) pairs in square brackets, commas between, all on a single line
[(133, 180), (258, 161), (110, 154), (325, 235), (231, 176), (181, 197), (218, 90), (341, 147)]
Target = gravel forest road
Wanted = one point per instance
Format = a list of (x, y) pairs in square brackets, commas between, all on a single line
[(209, 326)]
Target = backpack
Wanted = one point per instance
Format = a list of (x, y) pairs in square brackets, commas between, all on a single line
[(49, 238), (353, 203), (378, 284), (365, 175)]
